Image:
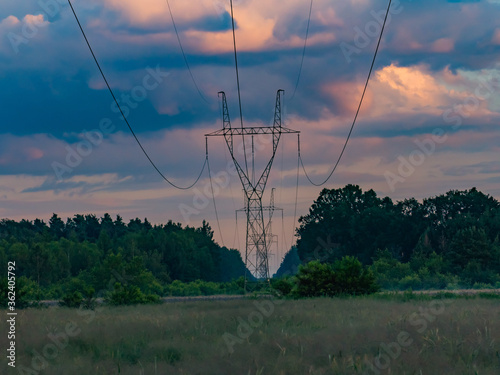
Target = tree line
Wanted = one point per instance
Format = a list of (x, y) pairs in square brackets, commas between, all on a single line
[(449, 240), (85, 252), (446, 241)]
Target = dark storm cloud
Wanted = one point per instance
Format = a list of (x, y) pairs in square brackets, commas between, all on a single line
[(51, 91)]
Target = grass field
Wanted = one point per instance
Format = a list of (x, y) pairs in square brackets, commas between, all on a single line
[(365, 335)]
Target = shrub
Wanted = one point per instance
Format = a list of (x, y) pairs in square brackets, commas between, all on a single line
[(208, 288), (179, 289), (410, 282), (89, 298), (388, 270), (314, 279), (482, 286), (345, 277), (27, 292), (72, 299), (453, 286), (201, 288), (283, 285), (350, 277), (130, 295)]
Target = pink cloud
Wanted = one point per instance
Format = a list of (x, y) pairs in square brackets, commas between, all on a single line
[(256, 22), (496, 37), (345, 96), (10, 21), (395, 90), (37, 20), (443, 45), (33, 153)]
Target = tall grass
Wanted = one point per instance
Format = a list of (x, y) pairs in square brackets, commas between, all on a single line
[(312, 336)]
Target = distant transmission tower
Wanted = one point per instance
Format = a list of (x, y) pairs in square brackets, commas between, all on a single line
[(268, 235), (257, 241)]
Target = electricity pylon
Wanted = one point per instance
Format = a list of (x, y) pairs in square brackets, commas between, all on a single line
[(257, 245), (269, 236)]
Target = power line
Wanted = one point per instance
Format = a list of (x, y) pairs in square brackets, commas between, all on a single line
[(285, 245), (303, 51), (296, 187), (125, 118), (236, 234), (213, 194), (359, 107), (281, 194), (238, 84), (183, 54)]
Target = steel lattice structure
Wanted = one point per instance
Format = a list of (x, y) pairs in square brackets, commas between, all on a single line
[(257, 245), (270, 238)]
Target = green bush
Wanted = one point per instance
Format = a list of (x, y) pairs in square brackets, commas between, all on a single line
[(423, 271), (388, 270), (314, 279), (129, 295), (72, 299), (27, 292), (89, 298), (412, 282), (350, 277), (79, 295), (180, 289), (482, 286), (208, 288), (283, 285), (345, 277), (202, 288)]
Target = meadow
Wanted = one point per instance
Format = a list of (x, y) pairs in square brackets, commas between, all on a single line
[(380, 334)]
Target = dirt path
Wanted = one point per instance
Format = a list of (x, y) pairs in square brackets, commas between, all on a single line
[(462, 292), (219, 297), (224, 297)]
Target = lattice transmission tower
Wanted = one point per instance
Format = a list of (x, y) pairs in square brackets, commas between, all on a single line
[(269, 236), (258, 229)]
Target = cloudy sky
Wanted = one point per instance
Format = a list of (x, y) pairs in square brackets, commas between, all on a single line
[(428, 123)]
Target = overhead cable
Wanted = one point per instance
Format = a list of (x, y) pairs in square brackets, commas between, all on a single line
[(303, 51), (184, 54), (125, 118), (359, 107), (238, 84), (213, 193)]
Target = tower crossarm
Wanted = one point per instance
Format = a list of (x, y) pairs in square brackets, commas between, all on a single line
[(276, 132), (258, 231), (255, 130), (264, 208), (227, 132)]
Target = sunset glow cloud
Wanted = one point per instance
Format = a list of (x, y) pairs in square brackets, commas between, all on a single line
[(437, 69)]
